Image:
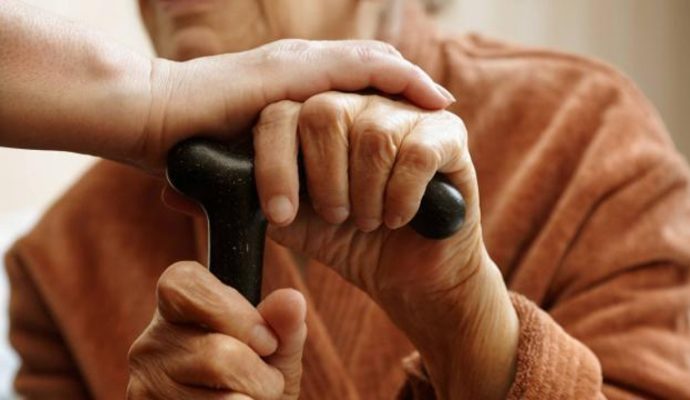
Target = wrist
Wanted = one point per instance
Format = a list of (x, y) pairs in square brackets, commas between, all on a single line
[(469, 348), (151, 144), (121, 105), (194, 97), (488, 348)]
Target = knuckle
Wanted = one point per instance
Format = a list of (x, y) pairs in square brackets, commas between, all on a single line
[(136, 389), (384, 47), (145, 375), (455, 146), (136, 351), (274, 114), (294, 45), (149, 343), (279, 110), (168, 288), (453, 123), (376, 143), (460, 128), (419, 156), (321, 112), (226, 364), (367, 53), (217, 358), (459, 121), (153, 384), (223, 349), (283, 52), (181, 271), (389, 48)]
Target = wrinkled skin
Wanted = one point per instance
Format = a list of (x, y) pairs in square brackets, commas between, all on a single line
[(367, 159)]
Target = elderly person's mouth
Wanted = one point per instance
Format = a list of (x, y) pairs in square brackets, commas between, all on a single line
[(182, 7)]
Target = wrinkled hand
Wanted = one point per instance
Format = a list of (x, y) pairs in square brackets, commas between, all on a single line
[(221, 96), (368, 160), (207, 342)]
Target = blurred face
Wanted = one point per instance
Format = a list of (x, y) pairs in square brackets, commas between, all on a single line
[(184, 29)]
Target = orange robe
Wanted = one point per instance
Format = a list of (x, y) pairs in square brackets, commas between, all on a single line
[(586, 210)]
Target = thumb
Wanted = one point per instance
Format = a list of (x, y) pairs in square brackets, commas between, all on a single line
[(285, 310)]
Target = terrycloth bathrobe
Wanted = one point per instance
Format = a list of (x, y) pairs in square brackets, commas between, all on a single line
[(586, 210)]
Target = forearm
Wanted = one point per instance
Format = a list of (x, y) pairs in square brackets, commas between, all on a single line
[(66, 88), (477, 360), (468, 339)]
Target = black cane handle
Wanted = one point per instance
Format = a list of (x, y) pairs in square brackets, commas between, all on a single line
[(220, 177)]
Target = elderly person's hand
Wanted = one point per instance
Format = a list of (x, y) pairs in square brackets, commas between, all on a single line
[(221, 96), (207, 342), (369, 158)]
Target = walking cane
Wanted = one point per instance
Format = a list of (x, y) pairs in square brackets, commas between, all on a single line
[(220, 177)]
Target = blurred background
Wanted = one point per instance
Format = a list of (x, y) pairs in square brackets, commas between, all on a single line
[(647, 39)]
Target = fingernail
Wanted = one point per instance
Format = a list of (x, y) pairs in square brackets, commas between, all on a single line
[(369, 224), (338, 215), (445, 93), (394, 222), (262, 340), (280, 209)]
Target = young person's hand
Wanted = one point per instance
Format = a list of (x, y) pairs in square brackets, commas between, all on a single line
[(66, 88)]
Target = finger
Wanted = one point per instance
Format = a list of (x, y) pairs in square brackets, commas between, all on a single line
[(323, 130), (374, 140), (346, 66), (275, 161), (218, 361), (189, 294), (285, 310), (163, 387), (436, 143)]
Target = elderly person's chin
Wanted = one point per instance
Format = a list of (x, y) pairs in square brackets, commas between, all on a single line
[(190, 43)]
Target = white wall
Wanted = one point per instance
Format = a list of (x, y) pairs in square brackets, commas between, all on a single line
[(648, 39)]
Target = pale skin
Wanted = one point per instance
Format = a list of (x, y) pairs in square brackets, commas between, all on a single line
[(367, 160), (74, 90)]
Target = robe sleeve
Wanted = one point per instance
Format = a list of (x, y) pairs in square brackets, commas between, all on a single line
[(599, 210)]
